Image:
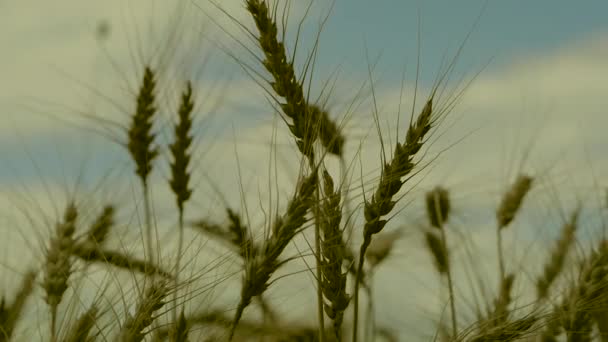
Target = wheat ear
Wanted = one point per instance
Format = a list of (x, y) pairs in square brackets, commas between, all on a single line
[(82, 327), (507, 209), (58, 266), (438, 210), (10, 315), (141, 144), (333, 281), (180, 175), (260, 267), (391, 181), (555, 263), (150, 302)]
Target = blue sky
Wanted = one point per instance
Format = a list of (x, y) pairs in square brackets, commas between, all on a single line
[(544, 89)]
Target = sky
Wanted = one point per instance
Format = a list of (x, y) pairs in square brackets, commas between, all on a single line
[(532, 76)]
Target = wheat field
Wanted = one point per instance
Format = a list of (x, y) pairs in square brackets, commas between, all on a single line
[(220, 179)]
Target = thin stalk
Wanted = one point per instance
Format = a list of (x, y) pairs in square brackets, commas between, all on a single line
[(148, 222), (320, 313), (180, 248), (501, 262), (450, 287), (364, 245)]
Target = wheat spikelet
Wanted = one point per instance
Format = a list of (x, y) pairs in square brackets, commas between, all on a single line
[(512, 200), (10, 315), (151, 301), (333, 281), (260, 267), (82, 327), (558, 255)]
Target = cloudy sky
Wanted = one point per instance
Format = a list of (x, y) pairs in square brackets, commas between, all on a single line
[(532, 76)]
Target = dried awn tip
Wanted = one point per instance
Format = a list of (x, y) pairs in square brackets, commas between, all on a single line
[(512, 200), (437, 206)]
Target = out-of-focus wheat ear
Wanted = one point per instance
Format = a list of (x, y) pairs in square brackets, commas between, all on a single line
[(240, 235), (101, 226), (151, 301), (440, 257), (507, 209), (509, 331), (575, 314), (437, 206), (141, 138), (381, 248), (120, 260), (180, 150), (10, 315), (141, 146), (81, 329), (179, 332), (555, 264), (58, 267), (330, 135), (333, 281), (180, 175), (260, 267), (512, 200), (500, 313)]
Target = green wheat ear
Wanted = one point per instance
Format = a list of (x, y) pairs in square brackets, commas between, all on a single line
[(141, 138)]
